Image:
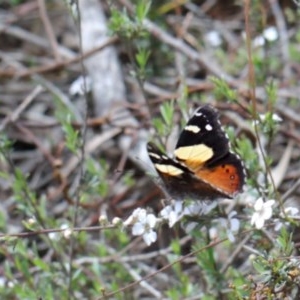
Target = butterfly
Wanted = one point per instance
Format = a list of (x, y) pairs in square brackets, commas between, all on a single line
[(203, 167)]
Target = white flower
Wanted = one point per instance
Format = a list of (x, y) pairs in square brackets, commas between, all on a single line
[(173, 213), (143, 224), (115, 221), (31, 221), (213, 233), (271, 33), (53, 236), (176, 211), (263, 212), (213, 38), (67, 233), (289, 212), (103, 220), (134, 217), (275, 117), (200, 208), (232, 225)]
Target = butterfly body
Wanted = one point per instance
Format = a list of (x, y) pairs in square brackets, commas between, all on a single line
[(203, 166)]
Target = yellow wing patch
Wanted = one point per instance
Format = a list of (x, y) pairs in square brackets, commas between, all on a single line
[(194, 156)]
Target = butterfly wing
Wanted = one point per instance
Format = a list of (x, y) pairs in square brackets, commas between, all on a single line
[(179, 182), (204, 167), (226, 175), (203, 147), (202, 139)]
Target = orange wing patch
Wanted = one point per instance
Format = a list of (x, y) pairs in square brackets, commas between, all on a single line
[(224, 177)]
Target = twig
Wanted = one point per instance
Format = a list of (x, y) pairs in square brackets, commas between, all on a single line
[(193, 253), (252, 84), (60, 94), (283, 35), (49, 29), (51, 230), (290, 191), (235, 253), (142, 283), (15, 115), (60, 64), (203, 59), (132, 258), (90, 147), (33, 39), (39, 145)]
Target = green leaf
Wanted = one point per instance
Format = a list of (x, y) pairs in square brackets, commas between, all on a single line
[(71, 134), (142, 57), (285, 241), (259, 266), (41, 264), (167, 112), (222, 89), (271, 90), (142, 9)]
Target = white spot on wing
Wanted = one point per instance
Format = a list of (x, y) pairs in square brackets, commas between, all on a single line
[(208, 127), (192, 128), (154, 155)]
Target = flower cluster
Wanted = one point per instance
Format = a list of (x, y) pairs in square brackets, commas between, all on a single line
[(176, 210), (144, 224)]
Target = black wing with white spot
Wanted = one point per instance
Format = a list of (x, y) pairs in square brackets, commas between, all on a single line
[(204, 128)]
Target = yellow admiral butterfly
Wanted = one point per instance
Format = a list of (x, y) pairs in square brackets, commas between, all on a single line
[(203, 167)]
